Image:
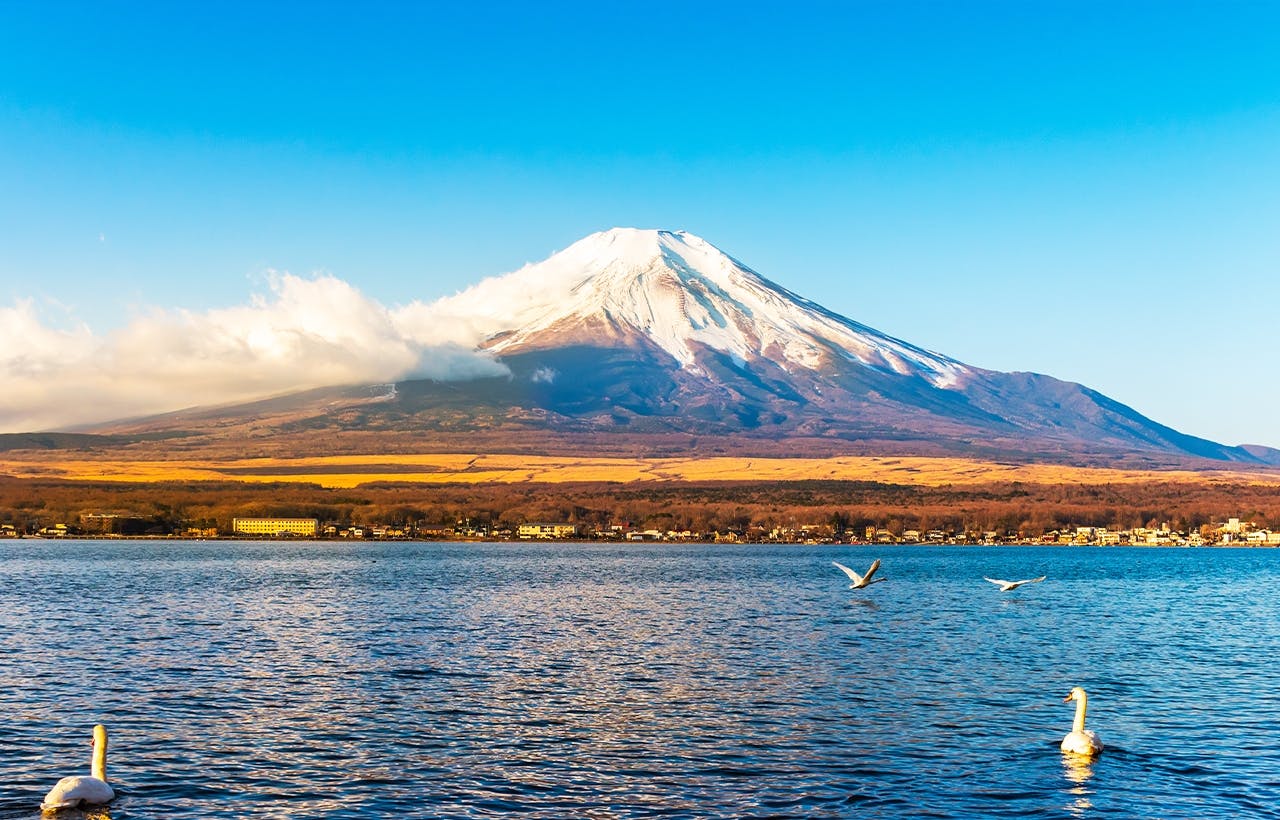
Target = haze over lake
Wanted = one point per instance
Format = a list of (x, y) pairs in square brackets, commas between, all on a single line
[(314, 679)]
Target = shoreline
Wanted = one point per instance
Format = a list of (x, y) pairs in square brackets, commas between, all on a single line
[(620, 541)]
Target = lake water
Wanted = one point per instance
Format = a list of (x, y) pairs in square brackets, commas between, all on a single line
[(480, 680)]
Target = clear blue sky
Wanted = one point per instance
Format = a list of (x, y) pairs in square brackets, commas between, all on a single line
[(1089, 190)]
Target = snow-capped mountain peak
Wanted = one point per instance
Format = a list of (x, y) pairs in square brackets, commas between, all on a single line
[(681, 293)]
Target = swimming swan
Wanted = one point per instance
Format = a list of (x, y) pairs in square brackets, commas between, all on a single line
[(1080, 741), (860, 581), (84, 791), (1005, 586)]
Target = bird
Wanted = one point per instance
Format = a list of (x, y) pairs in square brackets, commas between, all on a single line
[(1006, 586), (1080, 741), (860, 581), (94, 790)]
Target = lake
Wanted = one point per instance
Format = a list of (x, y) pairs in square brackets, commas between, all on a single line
[(273, 680)]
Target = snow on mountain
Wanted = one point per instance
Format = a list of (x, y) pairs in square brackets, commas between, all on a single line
[(679, 292)]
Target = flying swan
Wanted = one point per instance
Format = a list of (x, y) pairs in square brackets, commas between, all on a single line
[(1005, 586), (860, 581), (1080, 741), (84, 791)]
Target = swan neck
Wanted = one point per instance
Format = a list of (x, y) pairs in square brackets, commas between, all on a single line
[(1081, 707), (98, 766)]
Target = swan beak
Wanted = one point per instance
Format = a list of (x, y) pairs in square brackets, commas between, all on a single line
[(1067, 698)]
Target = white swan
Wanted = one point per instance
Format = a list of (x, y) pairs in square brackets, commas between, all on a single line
[(860, 581), (1005, 586), (1080, 741), (84, 791)]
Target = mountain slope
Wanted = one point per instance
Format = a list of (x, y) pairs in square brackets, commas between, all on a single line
[(750, 353)]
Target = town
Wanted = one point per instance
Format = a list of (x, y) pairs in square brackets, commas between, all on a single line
[(1231, 533)]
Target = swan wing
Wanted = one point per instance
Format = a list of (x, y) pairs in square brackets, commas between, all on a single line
[(996, 581), (853, 576), (76, 791), (875, 565)]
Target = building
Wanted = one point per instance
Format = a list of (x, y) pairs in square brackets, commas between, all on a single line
[(275, 526), (548, 531), (116, 524)]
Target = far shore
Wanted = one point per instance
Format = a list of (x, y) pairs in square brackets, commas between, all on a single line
[(594, 541)]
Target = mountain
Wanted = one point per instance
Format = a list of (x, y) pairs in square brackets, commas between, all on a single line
[(657, 339)]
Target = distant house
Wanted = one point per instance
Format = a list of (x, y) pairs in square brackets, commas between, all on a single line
[(99, 522), (276, 526), (546, 531)]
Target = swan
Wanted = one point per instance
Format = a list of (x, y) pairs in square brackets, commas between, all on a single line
[(84, 791), (1005, 586), (860, 581), (1080, 741)]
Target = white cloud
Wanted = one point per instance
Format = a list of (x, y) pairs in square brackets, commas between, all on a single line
[(305, 333)]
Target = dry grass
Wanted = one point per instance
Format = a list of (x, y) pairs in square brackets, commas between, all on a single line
[(352, 471)]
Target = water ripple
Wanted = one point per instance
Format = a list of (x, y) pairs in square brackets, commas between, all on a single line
[(472, 681)]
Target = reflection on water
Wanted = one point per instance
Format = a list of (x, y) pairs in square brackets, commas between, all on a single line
[(1078, 770), (865, 603), (426, 680)]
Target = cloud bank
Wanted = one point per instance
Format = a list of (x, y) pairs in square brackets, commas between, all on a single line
[(304, 333)]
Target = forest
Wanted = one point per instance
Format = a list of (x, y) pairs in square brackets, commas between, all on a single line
[(1011, 508)]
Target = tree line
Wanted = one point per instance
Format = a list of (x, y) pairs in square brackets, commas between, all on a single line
[(1018, 508)]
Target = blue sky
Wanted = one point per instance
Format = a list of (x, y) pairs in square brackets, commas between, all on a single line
[(1089, 190)]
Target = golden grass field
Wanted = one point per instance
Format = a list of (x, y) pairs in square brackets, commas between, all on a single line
[(352, 471)]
